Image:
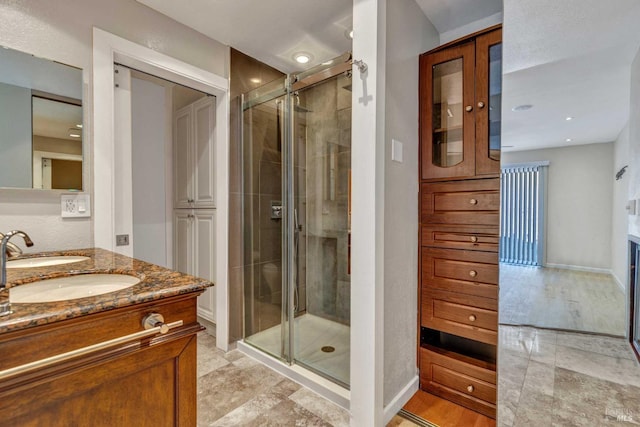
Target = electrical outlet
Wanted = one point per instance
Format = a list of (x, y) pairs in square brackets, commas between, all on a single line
[(75, 205), (122, 240)]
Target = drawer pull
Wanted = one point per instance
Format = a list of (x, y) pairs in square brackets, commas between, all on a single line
[(159, 328), (474, 239), (472, 318), (470, 388), (473, 273), (473, 201)]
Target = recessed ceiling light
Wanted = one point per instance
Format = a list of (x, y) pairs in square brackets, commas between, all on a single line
[(79, 126), (255, 80), (568, 118), (568, 140), (523, 107), (302, 57), (74, 135)]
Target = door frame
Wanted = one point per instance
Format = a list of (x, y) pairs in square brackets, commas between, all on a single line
[(107, 50)]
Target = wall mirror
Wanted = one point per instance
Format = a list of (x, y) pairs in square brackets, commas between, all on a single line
[(41, 130)]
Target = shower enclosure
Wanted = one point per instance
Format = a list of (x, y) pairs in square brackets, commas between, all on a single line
[(296, 161)]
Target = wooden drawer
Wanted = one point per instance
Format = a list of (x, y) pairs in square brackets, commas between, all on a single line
[(468, 382), (473, 202), (478, 237), (466, 272), (463, 315)]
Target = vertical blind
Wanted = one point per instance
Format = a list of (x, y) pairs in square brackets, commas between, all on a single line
[(522, 214)]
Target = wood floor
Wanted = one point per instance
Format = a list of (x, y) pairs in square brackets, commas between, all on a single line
[(445, 413)]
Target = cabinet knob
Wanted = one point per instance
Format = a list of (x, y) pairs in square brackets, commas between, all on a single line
[(470, 388), (473, 273), (468, 108), (480, 104), (473, 201), (474, 239), (472, 318), (154, 320)]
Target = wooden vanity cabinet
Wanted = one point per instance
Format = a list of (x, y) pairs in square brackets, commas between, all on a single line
[(459, 220), (144, 382)]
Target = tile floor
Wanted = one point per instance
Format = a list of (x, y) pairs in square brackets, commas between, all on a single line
[(546, 378), (554, 378), (561, 299), (235, 390)]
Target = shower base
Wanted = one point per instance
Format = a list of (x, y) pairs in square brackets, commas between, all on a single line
[(312, 334)]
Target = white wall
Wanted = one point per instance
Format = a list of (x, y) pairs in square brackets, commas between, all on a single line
[(579, 212), (149, 140), (409, 33), (62, 30), (634, 143), (620, 215)]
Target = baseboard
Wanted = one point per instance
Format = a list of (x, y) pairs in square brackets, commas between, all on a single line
[(580, 268), (621, 285), (401, 399), (210, 326)]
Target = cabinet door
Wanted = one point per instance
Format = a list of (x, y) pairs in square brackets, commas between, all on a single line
[(204, 153), (182, 136), (447, 113), (183, 241), (488, 102), (205, 259)]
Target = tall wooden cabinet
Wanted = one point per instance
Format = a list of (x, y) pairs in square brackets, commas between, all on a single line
[(194, 196), (460, 102)]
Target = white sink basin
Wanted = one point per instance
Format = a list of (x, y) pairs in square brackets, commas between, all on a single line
[(44, 261), (72, 287)]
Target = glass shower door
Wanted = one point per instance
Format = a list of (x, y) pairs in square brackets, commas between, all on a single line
[(321, 151), (263, 158)]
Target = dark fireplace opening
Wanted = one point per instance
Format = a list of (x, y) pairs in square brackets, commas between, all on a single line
[(634, 295)]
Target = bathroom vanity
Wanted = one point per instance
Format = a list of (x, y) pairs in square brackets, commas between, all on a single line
[(126, 357)]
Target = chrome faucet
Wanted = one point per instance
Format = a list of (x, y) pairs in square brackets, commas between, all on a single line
[(12, 250), (5, 304)]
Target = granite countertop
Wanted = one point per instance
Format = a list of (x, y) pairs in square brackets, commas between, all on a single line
[(156, 283)]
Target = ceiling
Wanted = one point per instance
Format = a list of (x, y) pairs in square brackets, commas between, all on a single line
[(270, 31), (567, 58)]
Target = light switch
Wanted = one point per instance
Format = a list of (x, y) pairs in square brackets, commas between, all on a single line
[(396, 151), (75, 205)]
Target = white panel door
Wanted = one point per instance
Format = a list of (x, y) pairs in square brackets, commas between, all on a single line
[(204, 153), (183, 241), (204, 232), (183, 170)]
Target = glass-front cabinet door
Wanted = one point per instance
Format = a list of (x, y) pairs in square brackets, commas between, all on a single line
[(447, 113), (488, 102)]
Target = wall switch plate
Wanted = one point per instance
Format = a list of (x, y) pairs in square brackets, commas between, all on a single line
[(396, 151), (122, 240), (75, 205)]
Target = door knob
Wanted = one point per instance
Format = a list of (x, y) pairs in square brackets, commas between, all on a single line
[(468, 108), (480, 104)]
